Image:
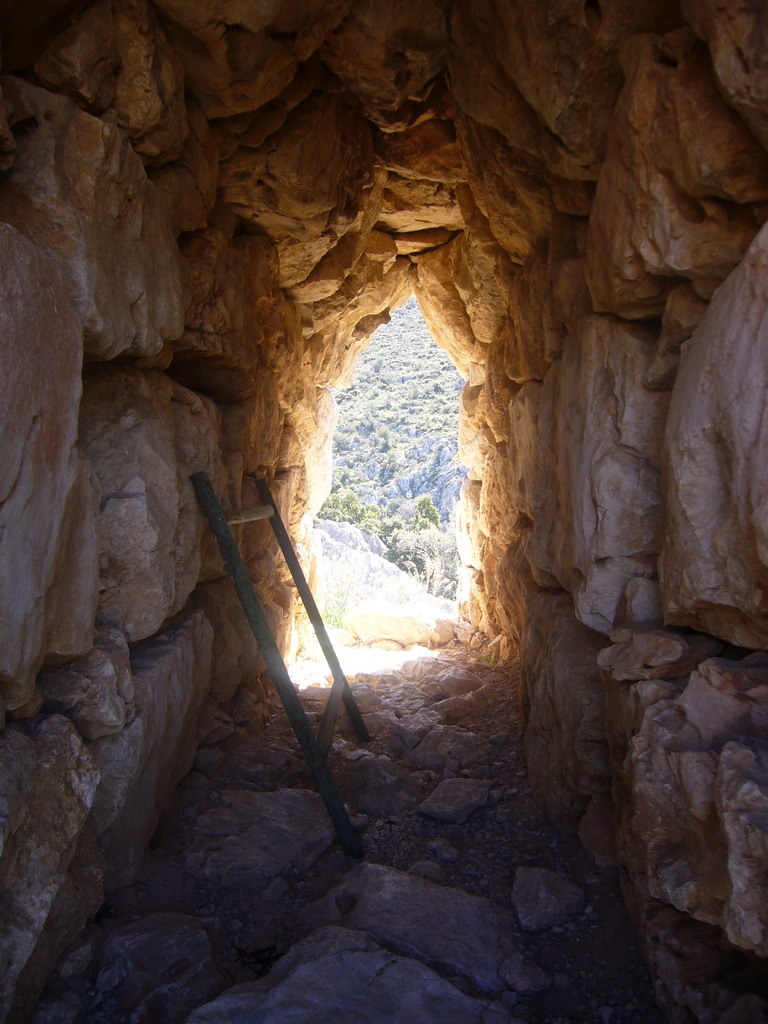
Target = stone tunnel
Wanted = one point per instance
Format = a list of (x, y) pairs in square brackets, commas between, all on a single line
[(206, 210)]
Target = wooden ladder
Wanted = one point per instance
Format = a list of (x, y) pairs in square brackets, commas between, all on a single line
[(314, 748)]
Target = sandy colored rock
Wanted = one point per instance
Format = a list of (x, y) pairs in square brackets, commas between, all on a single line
[(237, 58), (447, 746), (671, 200), (713, 564), (116, 58), (565, 739), (140, 767), (190, 181), (386, 55), (46, 494), (122, 274), (50, 872), (145, 435), (603, 429), (733, 32)]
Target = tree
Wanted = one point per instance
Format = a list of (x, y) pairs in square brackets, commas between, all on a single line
[(344, 506), (426, 513)]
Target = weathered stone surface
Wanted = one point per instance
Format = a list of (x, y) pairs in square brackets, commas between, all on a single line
[(385, 56), (235, 656), (160, 965), (565, 735), (335, 972), (544, 898), (672, 200), (713, 565), (140, 766), (734, 33), (7, 142), (447, 746), (48, 582), (455, 799), (524, 976), (417, 625), (377, 786), (237, 58), (234, 317), (190, 181), (122, 273), (116, 59), (461, 935), (682, 314), (603, 429), (50, 873), (303, 186), (428, 150), (96, 691), (254, 837), (144, 435), (655, 653)]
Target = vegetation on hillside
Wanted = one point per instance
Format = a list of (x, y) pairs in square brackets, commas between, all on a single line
[(396, 467)]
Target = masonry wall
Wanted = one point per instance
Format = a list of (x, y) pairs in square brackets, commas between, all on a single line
[(204, 216)]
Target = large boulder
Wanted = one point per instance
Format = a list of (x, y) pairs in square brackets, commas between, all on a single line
[(714, 563), (48, 545)]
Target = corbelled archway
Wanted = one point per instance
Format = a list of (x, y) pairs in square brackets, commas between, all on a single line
[(205, 213)]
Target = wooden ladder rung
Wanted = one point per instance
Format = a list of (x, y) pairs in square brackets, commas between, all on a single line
[(235, 516)]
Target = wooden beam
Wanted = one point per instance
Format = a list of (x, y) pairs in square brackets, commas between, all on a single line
[(340, 691), (275, 664), (235, 516)]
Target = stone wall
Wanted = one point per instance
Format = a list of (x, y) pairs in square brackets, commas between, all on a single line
[(205, 211)]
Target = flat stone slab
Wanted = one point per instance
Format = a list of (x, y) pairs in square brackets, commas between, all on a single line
[(337, 976), (447, 746), (447, 929), (254, 837), (455, 799), (377, 786), (544, 898)]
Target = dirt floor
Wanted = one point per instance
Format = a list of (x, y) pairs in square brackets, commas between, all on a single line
[(585, 969)]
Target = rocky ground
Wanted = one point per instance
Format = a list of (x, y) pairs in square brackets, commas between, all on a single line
[(469, 908)]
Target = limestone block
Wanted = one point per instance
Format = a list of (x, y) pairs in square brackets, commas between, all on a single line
[(7, 142), (734, 32), (145, 435), (742, 801), (96, 691), (468, 936), (140, 766), (444, 309), (428, 150), (335, 968), (468, 535), (50, 878), (116, 58), (351, 315), (233, 303), (387, 55), (601, 433), (235, 657), (565, 738), (550, 75), (303, 185), (682, 315), (237, 56), (523, 448), (672, 200), (190, 181), (714, 564), (691, 797), (48, 584), (411, 204), (121, 269)]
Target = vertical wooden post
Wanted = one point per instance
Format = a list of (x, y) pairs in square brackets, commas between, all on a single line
[(275, 664)]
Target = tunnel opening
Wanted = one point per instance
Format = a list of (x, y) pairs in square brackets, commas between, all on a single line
[(205, 215)]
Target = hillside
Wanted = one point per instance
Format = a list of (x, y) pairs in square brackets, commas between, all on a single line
[(398, 421)]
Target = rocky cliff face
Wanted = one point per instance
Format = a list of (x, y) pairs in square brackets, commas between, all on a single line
[(205, 211)]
